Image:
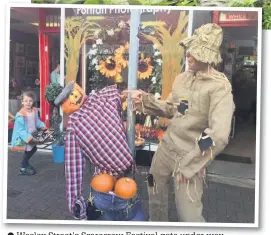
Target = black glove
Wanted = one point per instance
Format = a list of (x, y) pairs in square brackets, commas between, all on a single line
[(183, 106), (150, 179), (205, 142), (76, 211), (92, 212)]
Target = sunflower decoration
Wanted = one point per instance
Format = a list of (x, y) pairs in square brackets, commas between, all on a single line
[(118, 78), (122, 55), (109, 67), (144, 67)]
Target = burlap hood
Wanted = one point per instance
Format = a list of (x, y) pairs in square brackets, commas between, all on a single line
[(204, 44)]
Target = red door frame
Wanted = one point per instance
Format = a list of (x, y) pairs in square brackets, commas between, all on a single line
[(44, 76), (44, 63)]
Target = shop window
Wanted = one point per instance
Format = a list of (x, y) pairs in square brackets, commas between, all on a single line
[(148, 16), (97, 53), (246, 51)]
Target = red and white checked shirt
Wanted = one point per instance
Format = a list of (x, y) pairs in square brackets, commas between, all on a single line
[(95, 132)]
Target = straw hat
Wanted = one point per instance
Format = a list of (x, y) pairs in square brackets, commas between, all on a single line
[(204, 44)]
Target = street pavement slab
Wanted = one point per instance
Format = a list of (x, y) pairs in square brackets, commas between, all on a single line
[(42, 196)]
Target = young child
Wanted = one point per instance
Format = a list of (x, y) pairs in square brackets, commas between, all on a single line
[(26, 122)]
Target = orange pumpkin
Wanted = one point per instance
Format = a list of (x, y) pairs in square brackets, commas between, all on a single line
[(74, 101), (126, 188), (103, 183)]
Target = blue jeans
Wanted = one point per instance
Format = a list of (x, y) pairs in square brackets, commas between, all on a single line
[(115, 208)]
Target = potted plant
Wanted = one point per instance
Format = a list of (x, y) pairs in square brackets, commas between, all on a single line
[(51, 92)]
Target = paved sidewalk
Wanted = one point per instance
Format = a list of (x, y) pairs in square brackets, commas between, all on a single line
[(42, 196)]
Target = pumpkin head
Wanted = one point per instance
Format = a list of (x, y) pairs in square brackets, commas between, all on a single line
[(74, 101), (125, 188), (103, 183)]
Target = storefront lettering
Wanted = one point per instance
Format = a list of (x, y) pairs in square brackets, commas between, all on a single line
[(91, 11), (247, 16), (239, 17), (116, 11)]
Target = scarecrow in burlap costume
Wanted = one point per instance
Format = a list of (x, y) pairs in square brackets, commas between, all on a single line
[(200, 108)]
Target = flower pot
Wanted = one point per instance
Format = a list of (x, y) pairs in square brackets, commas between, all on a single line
[(58, 153)]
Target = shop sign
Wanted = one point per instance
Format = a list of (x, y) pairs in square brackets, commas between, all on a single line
[(113, 11), (238, 16)]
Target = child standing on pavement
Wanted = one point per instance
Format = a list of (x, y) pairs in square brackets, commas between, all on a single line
[(26, 122)]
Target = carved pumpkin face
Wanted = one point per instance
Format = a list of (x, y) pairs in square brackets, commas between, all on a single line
[(74, 101)]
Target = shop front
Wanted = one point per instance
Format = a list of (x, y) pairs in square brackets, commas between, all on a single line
[(95, 53), (102, 53), (240, 66), (34, 50)]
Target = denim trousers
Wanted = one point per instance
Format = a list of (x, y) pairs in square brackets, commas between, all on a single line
[(114, 208)]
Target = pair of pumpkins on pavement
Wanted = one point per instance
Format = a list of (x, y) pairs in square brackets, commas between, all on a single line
[(124, 187)]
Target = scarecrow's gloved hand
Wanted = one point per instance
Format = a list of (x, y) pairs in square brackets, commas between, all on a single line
[(205, 142), (183, 107), (76, 211), (92, 212), (150, 179)]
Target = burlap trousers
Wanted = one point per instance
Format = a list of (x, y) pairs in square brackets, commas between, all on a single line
[(187, 195)]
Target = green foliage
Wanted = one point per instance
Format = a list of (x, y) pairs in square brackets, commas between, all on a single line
[(93, 2), (267, 17), (106, 2), (70, 1), (43, 1), (243, 3), (52, 91), (178, 3), (134, 2), (188, 3), (59, 136), (38, 1)]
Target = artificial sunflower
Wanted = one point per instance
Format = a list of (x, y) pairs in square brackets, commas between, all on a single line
[(144, 67), (109, 67), (119, 78), (122, 55)]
